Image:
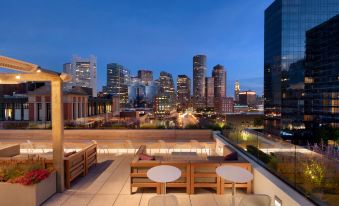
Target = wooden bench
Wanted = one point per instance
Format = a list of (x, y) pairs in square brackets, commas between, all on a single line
[(184, 181), (91, 157), (78, 163), (203, 175)]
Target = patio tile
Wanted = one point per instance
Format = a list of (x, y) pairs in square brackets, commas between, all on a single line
[(128, 200), (78, 200), (58, 198), (103, 200)]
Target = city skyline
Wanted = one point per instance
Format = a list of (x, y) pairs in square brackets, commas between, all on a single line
[(234, 36)]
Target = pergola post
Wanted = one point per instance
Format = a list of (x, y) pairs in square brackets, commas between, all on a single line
[(58, 132)]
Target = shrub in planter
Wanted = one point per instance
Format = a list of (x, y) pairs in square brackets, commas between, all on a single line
[(30, 182), (32, 177)]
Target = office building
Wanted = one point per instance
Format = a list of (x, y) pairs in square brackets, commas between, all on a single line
[(219, 76), (199, 75), (151, 93), (118, 79), (247, 98), (83, 72), (322, 75), (162, 105), (167, 87), (183, 92), (209, 92), (137, 95), (286, 23), (227, 105), (145, 76)]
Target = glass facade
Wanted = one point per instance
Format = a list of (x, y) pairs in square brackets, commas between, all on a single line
[(322, 75), (167, 87), (118, 79), (199, 75), (286, 23), (183, 91)]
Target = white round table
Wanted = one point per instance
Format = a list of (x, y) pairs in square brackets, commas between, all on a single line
[(164, 174), (235, 175)]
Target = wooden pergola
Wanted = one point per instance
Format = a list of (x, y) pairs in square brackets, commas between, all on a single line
[(31, 72)]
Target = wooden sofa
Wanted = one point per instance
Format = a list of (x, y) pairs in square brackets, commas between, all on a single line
[(195, 174), (139, 169), (203, 175), (79, 163)]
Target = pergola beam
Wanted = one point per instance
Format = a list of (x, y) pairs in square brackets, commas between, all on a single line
[(33, 72), (38, 77)]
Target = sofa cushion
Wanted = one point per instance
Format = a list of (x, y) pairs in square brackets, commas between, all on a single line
[(231, 156)]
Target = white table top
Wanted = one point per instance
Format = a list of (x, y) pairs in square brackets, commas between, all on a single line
[(234, 174), (163, 173)]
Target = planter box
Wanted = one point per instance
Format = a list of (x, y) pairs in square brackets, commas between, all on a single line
[(27, 195)]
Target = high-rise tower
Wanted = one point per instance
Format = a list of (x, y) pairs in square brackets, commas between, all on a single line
[(286, 23), (118, 79), (183, 91), (219, 76), (199, 74), (83, 72)]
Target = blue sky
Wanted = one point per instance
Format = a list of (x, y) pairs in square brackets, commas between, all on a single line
[(153, 34)]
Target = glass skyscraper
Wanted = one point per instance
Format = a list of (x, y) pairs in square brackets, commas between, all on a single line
[(286, 23), (322, 76), (199, 77), (118, 79)]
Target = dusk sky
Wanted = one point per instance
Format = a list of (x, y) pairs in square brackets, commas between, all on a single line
[(157, 35)]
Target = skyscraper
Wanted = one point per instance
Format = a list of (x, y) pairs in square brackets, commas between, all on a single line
[(145, 76), (209, 92), (236, 91), (219, 76), (167, 87), (118, 79), (83, 72), (286, 23), (183, 91), (199, 74), (322, 75)]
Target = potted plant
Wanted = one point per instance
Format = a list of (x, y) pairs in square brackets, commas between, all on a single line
[(26, 185)]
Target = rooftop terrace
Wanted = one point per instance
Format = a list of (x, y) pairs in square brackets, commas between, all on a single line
[(108, 183)]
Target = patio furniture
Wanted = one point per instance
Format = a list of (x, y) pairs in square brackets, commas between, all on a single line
[(255, 200), (164, 174), (79, 163), (203, 175), (235, 175), (243, 185)]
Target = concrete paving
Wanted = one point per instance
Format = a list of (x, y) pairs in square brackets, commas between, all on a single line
[(108, 184)]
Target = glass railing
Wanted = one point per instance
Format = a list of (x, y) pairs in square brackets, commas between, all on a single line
[(314, 174)]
